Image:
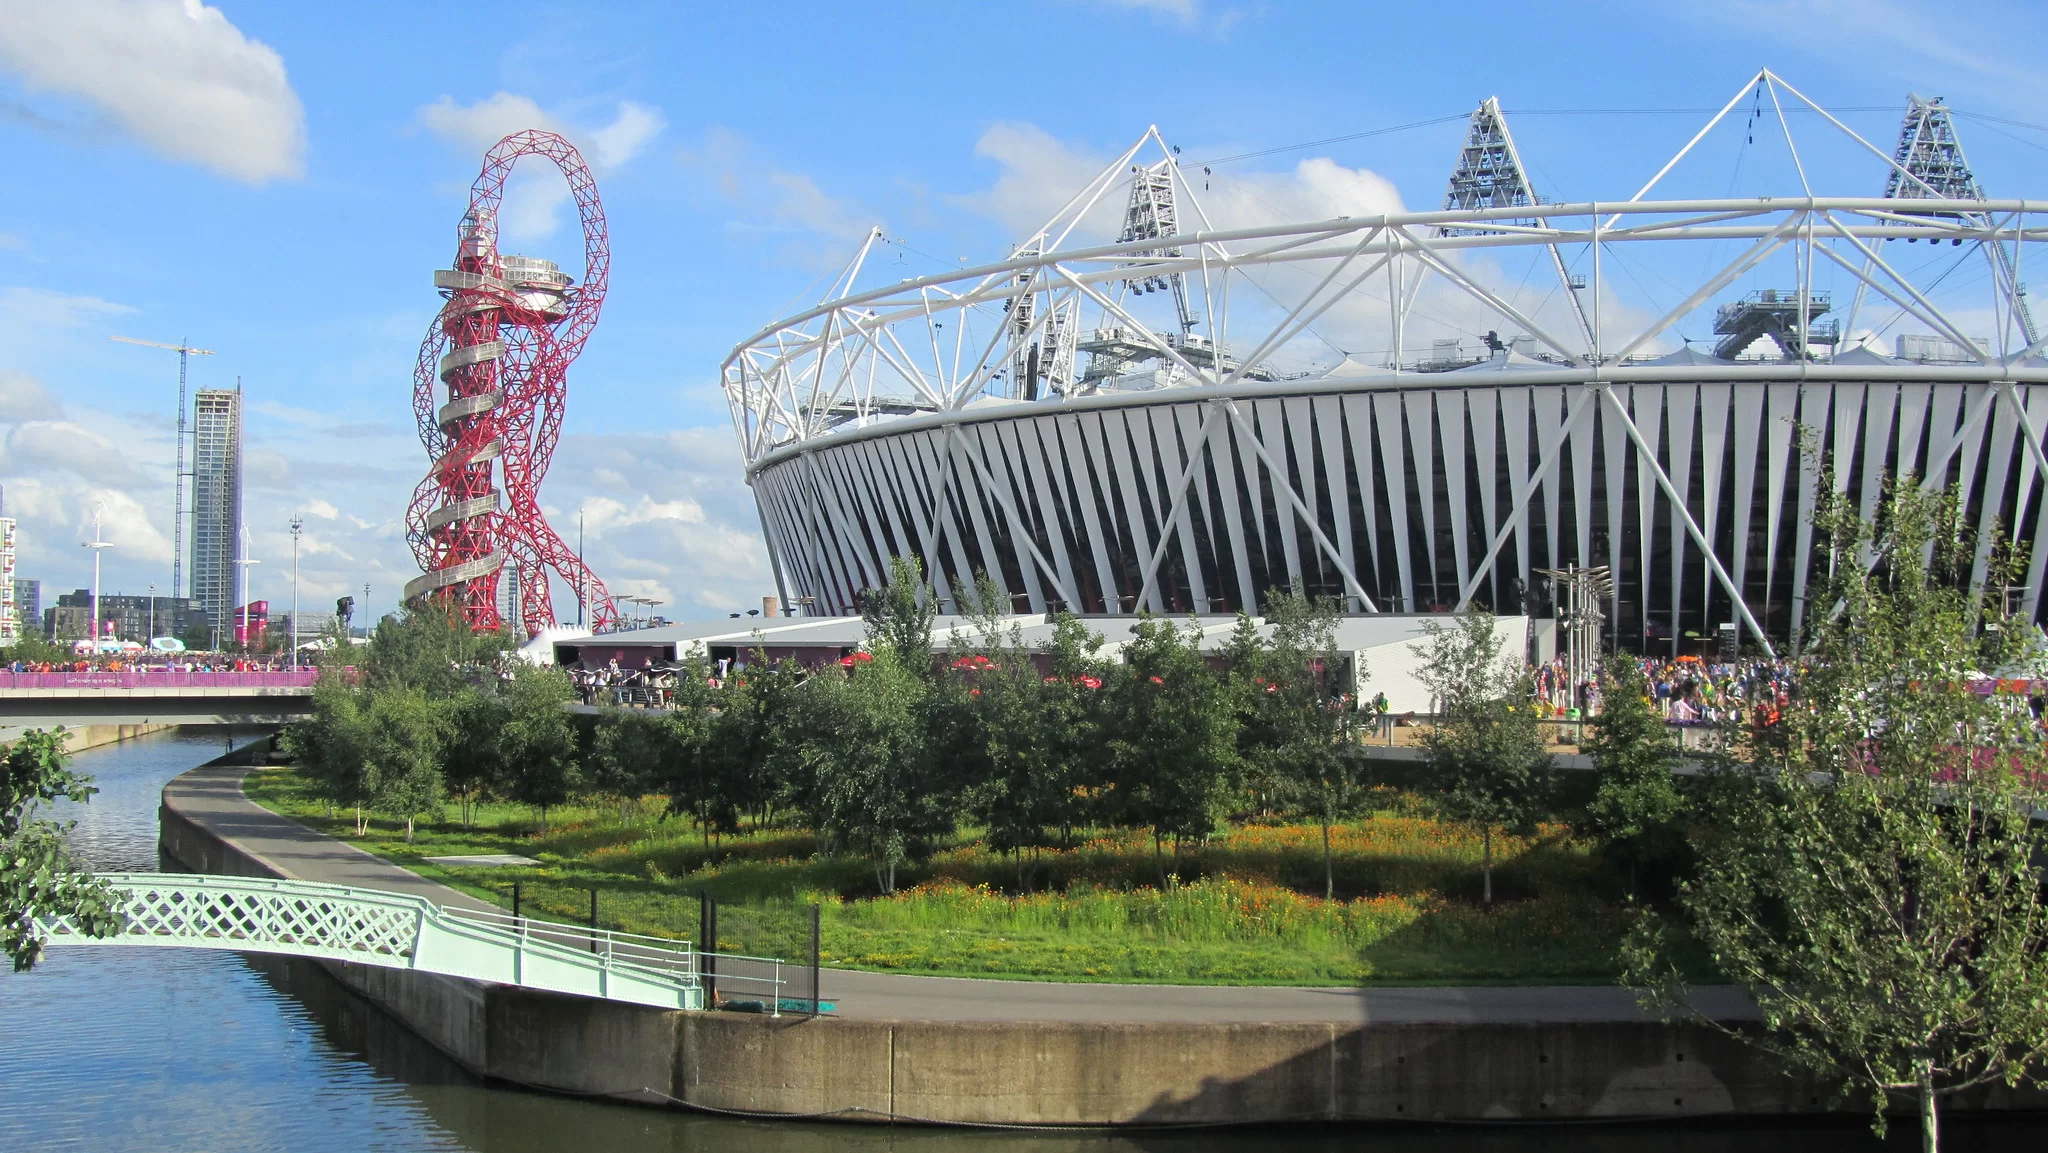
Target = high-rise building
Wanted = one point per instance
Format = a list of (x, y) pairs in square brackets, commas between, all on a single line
[(10, 609), (216, 500), (28, 602)]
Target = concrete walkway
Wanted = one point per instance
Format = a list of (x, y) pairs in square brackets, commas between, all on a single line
[(212, 797)]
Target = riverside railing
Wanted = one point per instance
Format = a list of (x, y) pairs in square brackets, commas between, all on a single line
[(727, 979), (161, 678)]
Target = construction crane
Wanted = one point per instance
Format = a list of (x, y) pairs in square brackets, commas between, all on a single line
[(185, 352)]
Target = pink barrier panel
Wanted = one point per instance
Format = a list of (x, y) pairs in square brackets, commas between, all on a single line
[(160, 679)]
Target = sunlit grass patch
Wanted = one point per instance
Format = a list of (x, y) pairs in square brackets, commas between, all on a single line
[(1245, 907)]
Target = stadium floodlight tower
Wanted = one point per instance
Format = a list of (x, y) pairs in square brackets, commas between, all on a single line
[(1151, 215), (1489, 175), (1929, 164)]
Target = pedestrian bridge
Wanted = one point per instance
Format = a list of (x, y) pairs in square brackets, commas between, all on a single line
[(395, 931), (154, 696)]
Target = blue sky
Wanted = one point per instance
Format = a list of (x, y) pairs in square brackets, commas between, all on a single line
[(278, 181)]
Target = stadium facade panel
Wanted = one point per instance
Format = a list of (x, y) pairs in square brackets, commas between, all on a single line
[(1403, 486)]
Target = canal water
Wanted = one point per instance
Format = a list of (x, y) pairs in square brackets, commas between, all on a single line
[(111, 1049)]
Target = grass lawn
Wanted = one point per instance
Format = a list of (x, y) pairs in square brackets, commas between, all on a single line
[(1406, 910)]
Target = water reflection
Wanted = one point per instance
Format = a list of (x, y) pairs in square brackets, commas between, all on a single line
[(113, 1049)]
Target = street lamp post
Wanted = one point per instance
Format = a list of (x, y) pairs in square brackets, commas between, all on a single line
[(152, 616), (244, 562), (97, 545), (298, 526)]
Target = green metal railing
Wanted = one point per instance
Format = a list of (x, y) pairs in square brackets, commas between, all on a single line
[(393, 930)]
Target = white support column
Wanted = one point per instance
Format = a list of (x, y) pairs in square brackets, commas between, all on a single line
[(1307, 515), (1518, 516), (1647, 458), (1019, 530), (1178, 508)]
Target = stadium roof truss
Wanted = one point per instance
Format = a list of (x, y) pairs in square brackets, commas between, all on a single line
[(947, 348)]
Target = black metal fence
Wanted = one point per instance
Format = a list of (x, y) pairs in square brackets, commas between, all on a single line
[(760, 958)]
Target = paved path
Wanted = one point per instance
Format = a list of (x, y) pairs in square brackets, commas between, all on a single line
[(213, 797)]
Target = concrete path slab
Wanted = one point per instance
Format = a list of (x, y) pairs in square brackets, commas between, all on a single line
[(212, 796)]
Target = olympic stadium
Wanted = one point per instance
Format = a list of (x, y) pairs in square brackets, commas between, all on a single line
[(1149, 405)]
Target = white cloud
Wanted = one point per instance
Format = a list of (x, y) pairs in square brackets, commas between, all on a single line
[(688, 535), (23, 397), (1039, 174), (25, 312), (477, 126), (764, 193), (535, 193), (604, 514), (173, 74), (622, 139), (49, 446)]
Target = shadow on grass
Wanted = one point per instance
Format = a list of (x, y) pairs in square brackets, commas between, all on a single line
[(1248, 910)]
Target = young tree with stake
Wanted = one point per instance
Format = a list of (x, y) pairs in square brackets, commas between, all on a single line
[(1870, 870), (1485, 751)]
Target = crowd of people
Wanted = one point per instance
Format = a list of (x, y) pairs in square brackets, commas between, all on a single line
[(612, 684), (188, 662), (1686, 689)]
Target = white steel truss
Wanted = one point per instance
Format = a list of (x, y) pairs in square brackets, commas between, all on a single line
[(1202, 455), (392, 930)]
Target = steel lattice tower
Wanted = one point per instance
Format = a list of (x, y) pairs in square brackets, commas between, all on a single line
[(501, 346), (1929, 164)]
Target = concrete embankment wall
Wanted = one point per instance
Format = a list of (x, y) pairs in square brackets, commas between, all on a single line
[(1067, 1073), (83, 737)]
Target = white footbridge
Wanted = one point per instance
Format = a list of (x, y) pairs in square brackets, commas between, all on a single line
[(396, 931)]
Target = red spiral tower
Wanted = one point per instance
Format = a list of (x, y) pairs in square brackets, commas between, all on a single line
[(489, 392)]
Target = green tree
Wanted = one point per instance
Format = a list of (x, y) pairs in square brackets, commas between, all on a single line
[(537, 743), (407, 734), (628, 755), (1295, 719), (428, 647), (1870, 872), (875, 792), (1638, 808), (39, 876), (899, 615), (704, 781), (756, 747), (1485, 751), (1033, 732), (1172, 739), (33, 649), (472, 763), (332, 746)]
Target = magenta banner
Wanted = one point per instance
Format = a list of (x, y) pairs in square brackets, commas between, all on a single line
[(160, 678)]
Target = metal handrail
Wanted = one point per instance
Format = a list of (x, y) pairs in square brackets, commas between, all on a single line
[(668, 955)]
